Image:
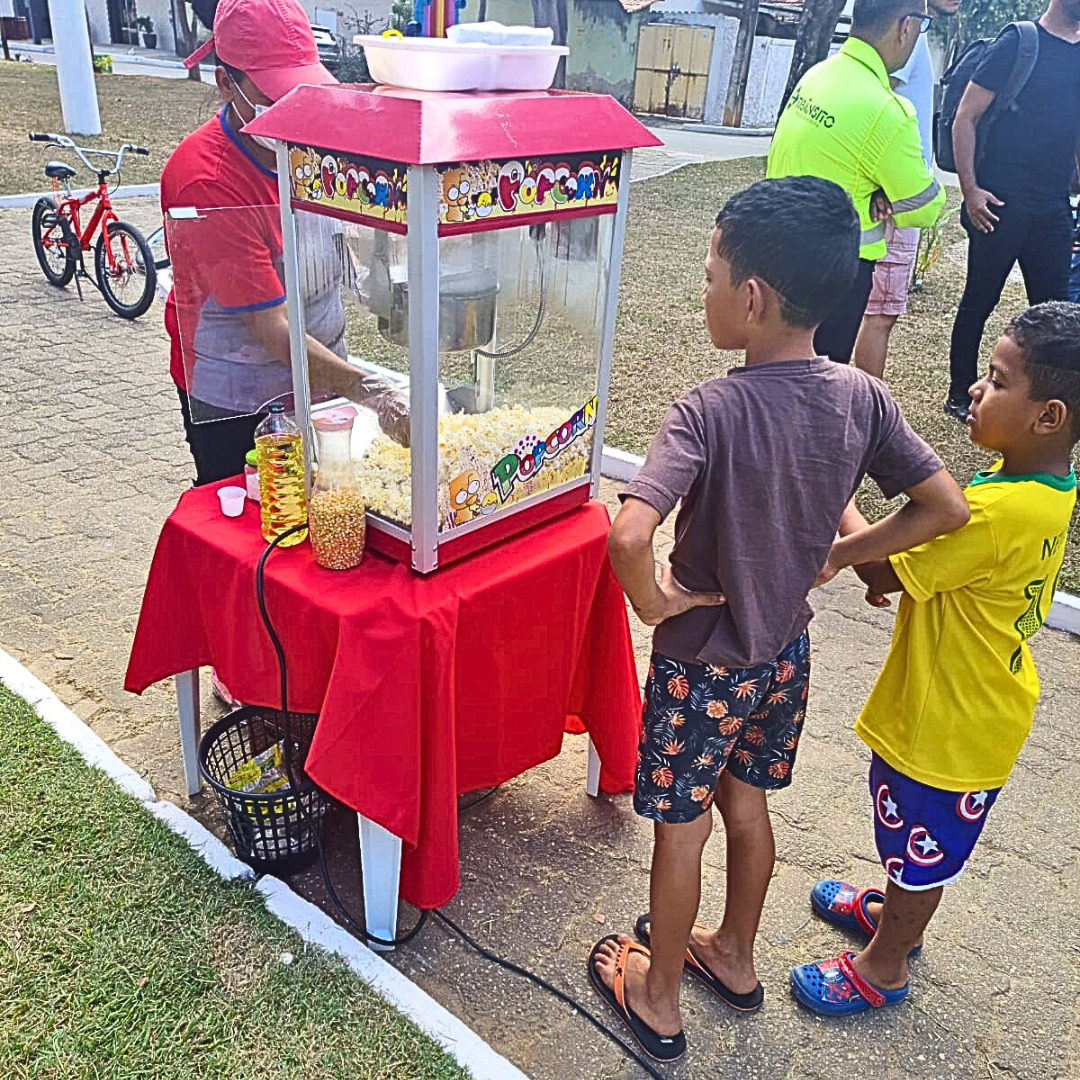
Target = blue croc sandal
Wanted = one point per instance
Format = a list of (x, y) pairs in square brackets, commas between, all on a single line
[(843, 905), (835, 988)]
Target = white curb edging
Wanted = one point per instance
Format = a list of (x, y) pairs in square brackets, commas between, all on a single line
[(125, 191), (213, 852), (1064, 613), (314, 926), (70, 728)]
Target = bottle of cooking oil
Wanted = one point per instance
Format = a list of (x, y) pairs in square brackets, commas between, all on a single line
[(280, 453)]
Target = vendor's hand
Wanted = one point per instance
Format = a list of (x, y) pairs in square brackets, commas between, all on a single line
[(876, 599), (676, 600), (880, 207), (977, 202), (389, 403), (392, 409)]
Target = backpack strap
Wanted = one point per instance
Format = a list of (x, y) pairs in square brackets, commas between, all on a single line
[(1027, 55)]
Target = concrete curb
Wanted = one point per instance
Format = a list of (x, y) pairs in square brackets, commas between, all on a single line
[(109, 50), (314, 926), (721, 129), (1064, 613), (125, 191)]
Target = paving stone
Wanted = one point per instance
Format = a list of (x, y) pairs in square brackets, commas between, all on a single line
[(94, 457)]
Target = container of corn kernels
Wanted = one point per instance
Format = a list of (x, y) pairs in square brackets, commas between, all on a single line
[(337, 514), (337, 527)]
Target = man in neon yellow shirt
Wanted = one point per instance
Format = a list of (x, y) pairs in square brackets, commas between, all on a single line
[(956, 697), (845, 123)]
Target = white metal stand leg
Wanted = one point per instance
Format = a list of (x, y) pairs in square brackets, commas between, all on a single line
[(380, 859), (592, 777), (187, 700)]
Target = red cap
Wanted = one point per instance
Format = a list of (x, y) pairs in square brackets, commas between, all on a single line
[(270, 41)]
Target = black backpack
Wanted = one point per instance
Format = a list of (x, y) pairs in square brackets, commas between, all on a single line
[(954, 82)]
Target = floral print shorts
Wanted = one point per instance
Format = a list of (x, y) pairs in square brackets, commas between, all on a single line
[(701, 719)]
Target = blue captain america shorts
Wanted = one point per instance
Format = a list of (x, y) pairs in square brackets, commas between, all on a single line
[(924, 835)]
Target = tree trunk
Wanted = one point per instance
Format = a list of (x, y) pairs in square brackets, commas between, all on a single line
[(817, 24), (553, 13), (187, 36), (740, 64), (481, 14)]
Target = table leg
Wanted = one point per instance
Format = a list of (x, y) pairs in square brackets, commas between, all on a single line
[(187, 700), (380, 860), (592, 777)]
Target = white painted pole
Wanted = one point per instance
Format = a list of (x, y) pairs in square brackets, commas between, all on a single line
[(74, 67)]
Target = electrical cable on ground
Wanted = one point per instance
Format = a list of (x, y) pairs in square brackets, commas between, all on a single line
[(359, 926)]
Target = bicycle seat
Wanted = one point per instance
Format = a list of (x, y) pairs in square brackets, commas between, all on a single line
[(58, 170)]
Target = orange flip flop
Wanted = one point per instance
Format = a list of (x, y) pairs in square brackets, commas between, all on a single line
[(662, 1048)]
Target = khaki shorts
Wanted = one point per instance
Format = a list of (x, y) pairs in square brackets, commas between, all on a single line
[(892, 274)]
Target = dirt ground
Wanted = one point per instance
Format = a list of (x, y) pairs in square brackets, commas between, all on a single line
[(156, 113)]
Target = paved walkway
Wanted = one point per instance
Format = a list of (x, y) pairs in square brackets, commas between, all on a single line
[(94, 460)]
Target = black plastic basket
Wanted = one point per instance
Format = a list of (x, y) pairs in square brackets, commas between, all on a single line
[(275, 832)]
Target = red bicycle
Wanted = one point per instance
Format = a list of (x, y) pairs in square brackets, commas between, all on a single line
[(123, 264)]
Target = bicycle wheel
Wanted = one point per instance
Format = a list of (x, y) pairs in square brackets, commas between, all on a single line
[(51, 243), (127, 279)]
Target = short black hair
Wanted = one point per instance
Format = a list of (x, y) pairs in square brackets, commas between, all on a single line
[(800, 235), (874, 17), (234, 73), (1049, 337)]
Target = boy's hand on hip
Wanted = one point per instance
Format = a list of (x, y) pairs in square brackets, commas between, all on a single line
[(675, 600), (826, 573)]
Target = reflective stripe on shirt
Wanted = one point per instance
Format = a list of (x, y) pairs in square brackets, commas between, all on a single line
[(872, 235), (928, 194)]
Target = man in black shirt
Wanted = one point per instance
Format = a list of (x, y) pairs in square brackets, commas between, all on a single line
[(1016, 188)]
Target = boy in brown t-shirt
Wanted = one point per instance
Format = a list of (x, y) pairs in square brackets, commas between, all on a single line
[(764, 461)]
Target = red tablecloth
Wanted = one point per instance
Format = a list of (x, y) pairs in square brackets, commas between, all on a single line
[(426, 687)]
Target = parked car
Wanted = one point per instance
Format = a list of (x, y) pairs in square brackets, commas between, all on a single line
[(328, 45)]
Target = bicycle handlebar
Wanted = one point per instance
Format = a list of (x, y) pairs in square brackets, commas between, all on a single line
[(81, 151)]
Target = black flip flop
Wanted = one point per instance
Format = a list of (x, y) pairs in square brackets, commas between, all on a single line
[(661, 1048), (746, 1003)]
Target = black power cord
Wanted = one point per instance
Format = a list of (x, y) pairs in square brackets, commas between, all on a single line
[(359, 926)]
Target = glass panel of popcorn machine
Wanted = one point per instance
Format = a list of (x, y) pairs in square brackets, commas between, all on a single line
[(353, 270), (520, 310)]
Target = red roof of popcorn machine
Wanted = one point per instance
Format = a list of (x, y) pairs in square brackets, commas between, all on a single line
[(418, 127)]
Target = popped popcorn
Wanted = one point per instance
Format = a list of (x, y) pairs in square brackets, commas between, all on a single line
[(468, 441)]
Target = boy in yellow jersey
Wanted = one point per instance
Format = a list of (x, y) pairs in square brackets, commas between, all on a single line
[(956, 697)]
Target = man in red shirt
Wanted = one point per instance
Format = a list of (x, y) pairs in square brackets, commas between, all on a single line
[(226, 314)]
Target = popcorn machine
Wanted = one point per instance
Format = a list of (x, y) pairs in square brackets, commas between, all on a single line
[(475, 243)]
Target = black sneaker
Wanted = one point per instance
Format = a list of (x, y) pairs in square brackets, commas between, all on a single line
[(958, 408)]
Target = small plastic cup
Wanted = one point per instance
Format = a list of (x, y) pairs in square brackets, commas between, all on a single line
[(232, 500)]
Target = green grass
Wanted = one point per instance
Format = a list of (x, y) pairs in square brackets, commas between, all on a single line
[(122, 955), (661, 348), (139, 109)]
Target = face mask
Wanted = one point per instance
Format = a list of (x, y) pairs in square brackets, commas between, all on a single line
[(258, 110)]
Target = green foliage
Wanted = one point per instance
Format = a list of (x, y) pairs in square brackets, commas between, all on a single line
[(352, 68), (401, 11), (102, 64), (984, 18), (145, 24)]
